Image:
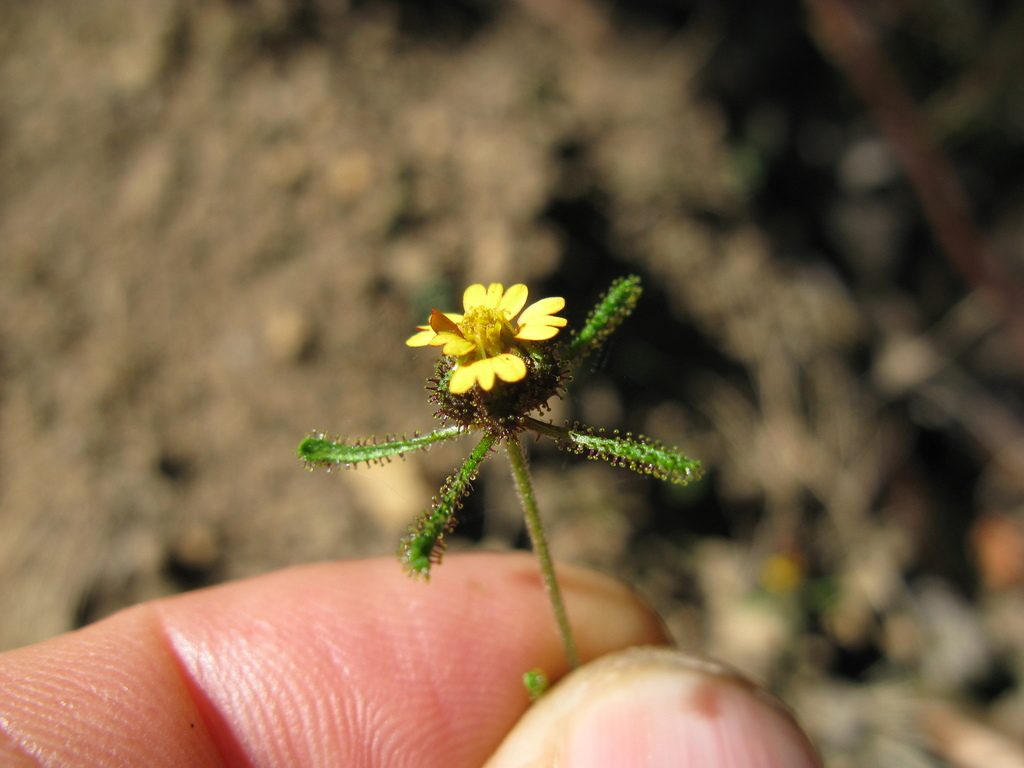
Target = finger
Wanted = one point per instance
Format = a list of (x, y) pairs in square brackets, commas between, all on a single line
[(335, 664), (656, 707)]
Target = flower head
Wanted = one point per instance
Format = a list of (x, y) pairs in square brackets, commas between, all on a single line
[(488, 340)]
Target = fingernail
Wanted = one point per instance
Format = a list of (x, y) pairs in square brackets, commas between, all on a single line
[(659, 708)]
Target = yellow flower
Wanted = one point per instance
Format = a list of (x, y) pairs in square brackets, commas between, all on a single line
[(484, 338)]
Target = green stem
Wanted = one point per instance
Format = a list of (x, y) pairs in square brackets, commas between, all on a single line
[(543, 428), (524, 485)]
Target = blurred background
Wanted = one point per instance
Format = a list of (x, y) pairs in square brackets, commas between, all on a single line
[(220, 220)]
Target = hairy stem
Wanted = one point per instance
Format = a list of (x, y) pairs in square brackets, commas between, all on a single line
[(524, 485)]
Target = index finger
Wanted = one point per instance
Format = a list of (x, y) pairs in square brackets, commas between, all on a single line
[(333, 664)]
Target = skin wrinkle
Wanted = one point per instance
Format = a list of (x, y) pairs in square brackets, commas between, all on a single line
[(335, 710), (247, 696), (204, 725), (82, 700), (364, 706), (352, 714), (10, 742), (449, 731), (418, 631), (364, 715), (412, 625), (222, 739), (12, 745)]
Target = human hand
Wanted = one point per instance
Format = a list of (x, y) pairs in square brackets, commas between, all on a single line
[(353, 664)]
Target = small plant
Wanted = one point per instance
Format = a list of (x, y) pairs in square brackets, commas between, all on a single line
[(499, 364)]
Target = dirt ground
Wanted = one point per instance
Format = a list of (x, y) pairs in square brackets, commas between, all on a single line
[(220, 220)]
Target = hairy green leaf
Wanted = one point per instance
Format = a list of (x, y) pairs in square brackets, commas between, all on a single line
[(614, 307), (318, 451), (635, 452), (424, 544)]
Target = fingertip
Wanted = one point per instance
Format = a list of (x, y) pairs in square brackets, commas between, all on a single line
[(661, 706)]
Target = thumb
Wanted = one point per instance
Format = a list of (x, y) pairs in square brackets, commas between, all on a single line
[(659, 708)]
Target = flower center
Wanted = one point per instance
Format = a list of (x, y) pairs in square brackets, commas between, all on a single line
[(486, 327)]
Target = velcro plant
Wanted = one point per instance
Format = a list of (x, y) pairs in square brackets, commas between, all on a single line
[(499, 364)]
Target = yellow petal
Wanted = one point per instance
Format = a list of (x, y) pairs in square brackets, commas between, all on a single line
[(420, 339), (442, 338), (474, 296), (537, 332), (546, 306), (514, 300), (452, 344), (484, 371), (508, 367), (458, 347), (494, 291), (462, 380), (558, 322)]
